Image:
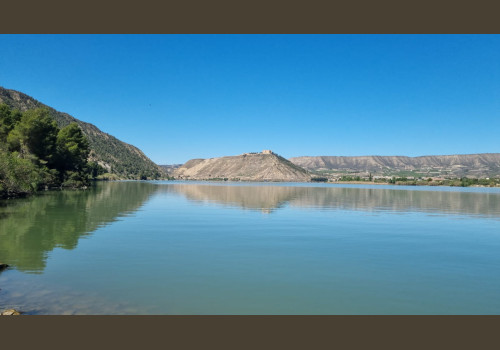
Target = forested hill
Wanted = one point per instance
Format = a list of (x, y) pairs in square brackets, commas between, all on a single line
[(117, 157)]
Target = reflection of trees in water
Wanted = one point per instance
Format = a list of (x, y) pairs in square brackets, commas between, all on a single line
[(272, 197), (30, 228)]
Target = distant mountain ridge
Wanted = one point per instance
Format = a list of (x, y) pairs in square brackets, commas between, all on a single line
[(482, 164), (169, 168), (265, 166), (116, 156)]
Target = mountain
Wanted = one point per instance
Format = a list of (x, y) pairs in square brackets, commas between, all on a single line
[(170, 168), (116, 156), (265, 166), (477, 165)]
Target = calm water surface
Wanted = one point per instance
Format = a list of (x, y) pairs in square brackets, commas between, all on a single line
[(261, 248)]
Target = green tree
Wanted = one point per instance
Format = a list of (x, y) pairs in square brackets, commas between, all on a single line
[(17, 175), (36, 134), (94, 169), (73, 148), (8, 119), (72, 153)]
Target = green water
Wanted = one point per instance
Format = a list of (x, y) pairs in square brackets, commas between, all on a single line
[(243, 248)]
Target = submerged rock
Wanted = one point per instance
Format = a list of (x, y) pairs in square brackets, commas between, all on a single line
[(10, 312)]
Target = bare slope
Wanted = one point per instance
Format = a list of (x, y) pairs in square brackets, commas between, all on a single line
[(169, 168), (459, 165), (116, 156), (245, 167)]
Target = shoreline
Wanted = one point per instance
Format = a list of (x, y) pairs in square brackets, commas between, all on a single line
[(93, 182), (426, 184)]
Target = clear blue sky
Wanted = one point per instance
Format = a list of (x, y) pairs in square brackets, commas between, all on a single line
[(178, 97)]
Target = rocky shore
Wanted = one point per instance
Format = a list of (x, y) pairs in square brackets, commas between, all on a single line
[(8, 312)]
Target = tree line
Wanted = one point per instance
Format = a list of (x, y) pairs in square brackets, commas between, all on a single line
[(35, 153)]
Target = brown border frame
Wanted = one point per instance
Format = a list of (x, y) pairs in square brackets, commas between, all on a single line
[(254, 332)]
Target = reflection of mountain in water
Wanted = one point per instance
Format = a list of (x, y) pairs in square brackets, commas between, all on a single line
[(30, 228), (439, 202), (267, 198), (264, 198)]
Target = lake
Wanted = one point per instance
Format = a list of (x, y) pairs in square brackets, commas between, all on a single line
[(172, 247)]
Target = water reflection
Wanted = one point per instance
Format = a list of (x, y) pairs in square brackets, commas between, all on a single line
[(264, 198), (31, 228), (269, 198), (191, 257)]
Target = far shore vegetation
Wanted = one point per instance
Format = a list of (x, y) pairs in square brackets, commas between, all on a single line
[(404, 181), (412, 181)]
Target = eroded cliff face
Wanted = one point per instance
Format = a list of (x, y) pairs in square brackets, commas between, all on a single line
[(245, 167), (460, 164)]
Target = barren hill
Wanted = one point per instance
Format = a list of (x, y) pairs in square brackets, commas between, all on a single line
[(169, 168), (458, 165), (116, 156), (265, 166)]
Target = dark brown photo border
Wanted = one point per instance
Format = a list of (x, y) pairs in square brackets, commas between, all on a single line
[(248, 332), (258, 16)]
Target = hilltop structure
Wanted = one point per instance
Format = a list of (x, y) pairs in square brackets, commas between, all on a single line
[(264, 166)]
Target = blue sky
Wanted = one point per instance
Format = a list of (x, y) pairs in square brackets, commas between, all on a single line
[(178, 97)]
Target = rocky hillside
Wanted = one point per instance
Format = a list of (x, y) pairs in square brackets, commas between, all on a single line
[(266, 166), (456, 165), (116, 156), (170, 168)]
